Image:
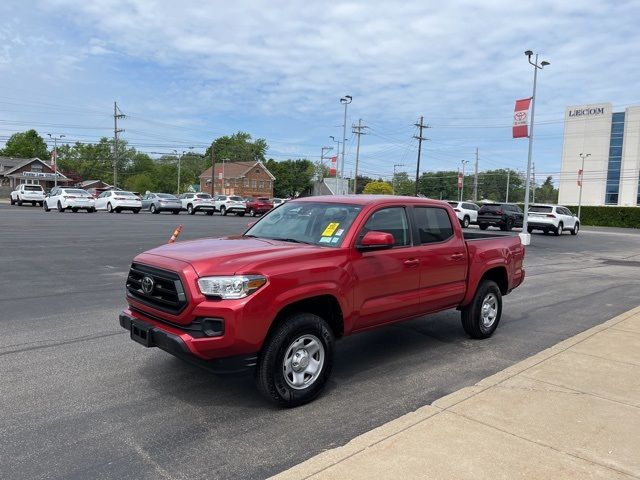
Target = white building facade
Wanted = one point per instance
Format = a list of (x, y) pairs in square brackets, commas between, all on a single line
[(612, 170)]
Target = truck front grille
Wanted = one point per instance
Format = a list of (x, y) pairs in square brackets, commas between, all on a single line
[(160, 289)]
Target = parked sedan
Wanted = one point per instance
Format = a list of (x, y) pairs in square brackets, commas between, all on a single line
[(197, 202), (502, 215), (466, 212), (552, 218), (161, 202), (117, 201), (74, 199)]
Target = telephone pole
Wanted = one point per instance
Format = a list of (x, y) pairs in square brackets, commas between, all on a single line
[(213, 169), (475, 179), (533, 188), (117, 114), (420, 138), (508, 178), (357, 130)]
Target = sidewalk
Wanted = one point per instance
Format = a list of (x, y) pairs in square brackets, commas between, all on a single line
[(571, 411)]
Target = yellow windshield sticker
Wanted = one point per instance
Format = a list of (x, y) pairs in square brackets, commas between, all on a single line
[(330, 229)]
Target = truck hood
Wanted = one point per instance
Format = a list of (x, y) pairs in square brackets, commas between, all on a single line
[(230, 255)]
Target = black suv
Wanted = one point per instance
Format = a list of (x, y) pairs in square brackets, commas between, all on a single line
[(503, 215)]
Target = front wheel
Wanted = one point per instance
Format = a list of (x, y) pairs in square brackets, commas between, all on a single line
[(190, 210), (465, 222), (46, 207), (153, 209), (529, 229), (13, 202), (223, 210), (576, 228), (558, 231), (60, 207), (74, 210), (481, 317), (296, 360), (19, 202)]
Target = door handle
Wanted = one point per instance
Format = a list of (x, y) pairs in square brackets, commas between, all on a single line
[(412, 262), (457, 256)]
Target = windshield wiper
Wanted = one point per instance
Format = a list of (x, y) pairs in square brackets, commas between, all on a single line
[(292, 240)]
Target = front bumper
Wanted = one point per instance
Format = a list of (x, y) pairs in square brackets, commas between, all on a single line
[(169, 339)]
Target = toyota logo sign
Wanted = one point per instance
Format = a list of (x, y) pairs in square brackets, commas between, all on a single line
[(147, 285), (520, 116)]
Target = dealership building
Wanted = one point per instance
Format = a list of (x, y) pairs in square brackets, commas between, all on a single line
[(610, 143)]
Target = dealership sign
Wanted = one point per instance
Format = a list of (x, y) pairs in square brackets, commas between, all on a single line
[(41, 174), (580, 112), (521, 118)]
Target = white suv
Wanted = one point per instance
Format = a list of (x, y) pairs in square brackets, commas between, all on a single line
[(33, 194), (552, 218), (74, 199), (197, 202), (230, 204), (466, 212)]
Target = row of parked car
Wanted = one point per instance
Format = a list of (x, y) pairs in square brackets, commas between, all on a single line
[(506, 216), (76, 199)]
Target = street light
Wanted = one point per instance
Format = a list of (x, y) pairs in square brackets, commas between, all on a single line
[(582, 156), (55, 156), (525, 233), (346, 100), (464, 162)]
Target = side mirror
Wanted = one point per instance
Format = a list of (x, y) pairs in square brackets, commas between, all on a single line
[(376, 241)]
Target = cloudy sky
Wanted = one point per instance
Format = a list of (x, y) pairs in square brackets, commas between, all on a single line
[(186, 72)]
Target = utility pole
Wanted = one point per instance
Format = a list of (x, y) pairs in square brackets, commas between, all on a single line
[(475, 179), (533, 190), (213, 169), (358, 131), (508, 178), (420, 138), (117, 114), (54, 155), (464, 162), (393, 182)]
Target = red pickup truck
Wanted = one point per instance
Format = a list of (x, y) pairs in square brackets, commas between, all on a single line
[(276, 298)]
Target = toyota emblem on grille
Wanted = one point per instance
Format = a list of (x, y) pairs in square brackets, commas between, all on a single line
[(147, 285)]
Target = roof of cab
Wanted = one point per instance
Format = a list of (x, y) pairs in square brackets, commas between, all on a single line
[(369, 199)]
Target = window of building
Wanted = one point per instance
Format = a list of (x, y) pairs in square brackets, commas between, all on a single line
[(254, 184), (261, 184), (36, 167), (433, 224), (615, 159), (246, 182), (267, 184)]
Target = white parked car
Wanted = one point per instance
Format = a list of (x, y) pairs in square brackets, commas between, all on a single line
[(197, 202), (466, 212), (117, 201), (552, 218), (277, 201), (74, 199), (230, 204), (33, 194)]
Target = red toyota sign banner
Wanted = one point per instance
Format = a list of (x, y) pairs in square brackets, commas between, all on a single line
[(580, 177), (334, 167), (521, 118), (54, 162), (460, 177)]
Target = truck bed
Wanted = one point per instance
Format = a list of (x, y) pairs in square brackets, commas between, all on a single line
[(484, 235)]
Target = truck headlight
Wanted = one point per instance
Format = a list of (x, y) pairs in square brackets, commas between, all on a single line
[(233, 287)]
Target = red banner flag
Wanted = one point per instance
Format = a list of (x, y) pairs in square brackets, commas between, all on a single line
[(521, 118), (460, 177), (580, 177), (334, 167), (53, 161)]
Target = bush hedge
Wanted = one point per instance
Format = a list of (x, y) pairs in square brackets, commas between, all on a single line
[(623, 217)]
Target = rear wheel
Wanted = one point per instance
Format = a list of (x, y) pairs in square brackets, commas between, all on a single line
[(529, 229), (576, 228), (509, 225), (190, 210), (296, 360), (109, 207), (483, 226), (558, 231), (252, 212), (60, 207), (223, 210), (153, 209), (33, 204), (465, 222), (481, 317)]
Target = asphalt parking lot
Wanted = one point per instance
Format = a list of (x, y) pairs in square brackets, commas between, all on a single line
[(81, 400)]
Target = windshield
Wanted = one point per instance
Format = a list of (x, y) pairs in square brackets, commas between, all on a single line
[(167, 195), (315, 223), (540, 209)]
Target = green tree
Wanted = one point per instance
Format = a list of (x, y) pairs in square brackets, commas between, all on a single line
[(140, 182), (492, 185), (403, 185), (293, 177), (546, 193), (377, 187), (440, 185), (26, 145), (238, 148), (361, 181)]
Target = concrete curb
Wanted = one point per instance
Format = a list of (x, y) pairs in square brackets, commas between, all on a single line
[(369, 439)]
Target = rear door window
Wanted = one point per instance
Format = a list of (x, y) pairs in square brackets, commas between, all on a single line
[(433, 224)]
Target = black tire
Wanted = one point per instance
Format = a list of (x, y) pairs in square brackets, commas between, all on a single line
[(558, 230), (60, 209), (190, 210), (136, 210), (223, 210), (483, 226), (175, 212), (465, 222), (117, 210), (153, 209), (472, 319), (74, 210), (546, 231), (509, 225), (110, 208), (210, 212), (19, 202), (40, 203), (91, 210), (529, 229), (576, 228), (46, 207), (33, 204), (13, 202), (270, 372), (240, 214)]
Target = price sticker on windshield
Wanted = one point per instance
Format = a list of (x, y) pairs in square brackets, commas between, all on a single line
[(330, 229)]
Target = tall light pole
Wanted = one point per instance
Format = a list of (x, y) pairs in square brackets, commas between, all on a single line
[(464, 162), (55, 156), (393, 182), (582, 156), (346, 100), (536, 67)]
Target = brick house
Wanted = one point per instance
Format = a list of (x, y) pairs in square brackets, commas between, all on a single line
[(246, 179), (30, 171)]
